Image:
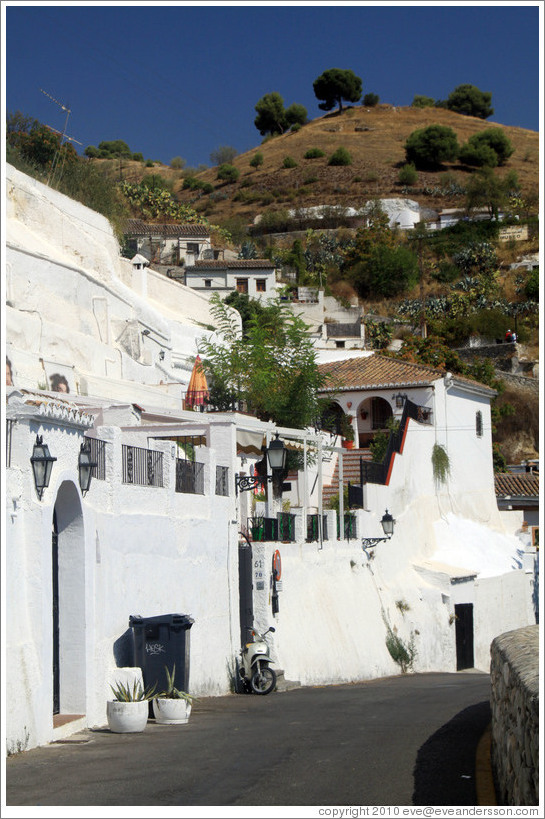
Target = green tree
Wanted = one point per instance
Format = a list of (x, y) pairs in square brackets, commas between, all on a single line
[(493, 139), (469, 100), (296, 114), (177, 163), (487, 190), (272, 367), (257, 160), (223, 155), (228, 173), (336, 85), (271, 115), (385, 271), (429, 147), (114, 148), (478, 155), (420, 101), (18, 124), (370, 100)]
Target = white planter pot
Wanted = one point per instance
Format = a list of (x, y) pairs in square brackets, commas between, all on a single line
[(171, 711), (127, 717)]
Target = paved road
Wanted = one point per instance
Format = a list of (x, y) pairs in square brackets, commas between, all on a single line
[(407, 740)]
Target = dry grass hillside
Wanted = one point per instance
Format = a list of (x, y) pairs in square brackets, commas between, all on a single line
[(375, 138)]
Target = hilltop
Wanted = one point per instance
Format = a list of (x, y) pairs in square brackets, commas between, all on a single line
[(375, 138)]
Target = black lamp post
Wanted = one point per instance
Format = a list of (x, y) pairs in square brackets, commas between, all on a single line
[(42, 464), (276, 456), (388, 523), (85, 466)]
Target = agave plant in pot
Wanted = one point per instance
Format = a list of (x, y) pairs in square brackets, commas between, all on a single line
[(172, 706), (128, 711)]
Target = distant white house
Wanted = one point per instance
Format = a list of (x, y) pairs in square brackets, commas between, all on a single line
[(255, 278), (173, 244)]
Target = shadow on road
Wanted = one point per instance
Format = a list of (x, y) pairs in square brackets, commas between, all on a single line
[(444, 773)]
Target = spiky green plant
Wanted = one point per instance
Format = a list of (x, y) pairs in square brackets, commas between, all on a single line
[(171, 692), (124, 693)]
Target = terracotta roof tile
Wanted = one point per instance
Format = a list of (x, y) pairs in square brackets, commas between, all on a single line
[(377, 371), (233, 264), (137, 227), (516, 485)]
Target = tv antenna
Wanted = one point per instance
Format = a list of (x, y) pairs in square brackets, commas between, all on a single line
[(62, 133)]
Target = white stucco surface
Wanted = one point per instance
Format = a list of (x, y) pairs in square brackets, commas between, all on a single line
[(128, 549)]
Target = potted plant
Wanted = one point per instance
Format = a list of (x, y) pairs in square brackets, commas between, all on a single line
[(128, 711), (347, 431), (172, 706)]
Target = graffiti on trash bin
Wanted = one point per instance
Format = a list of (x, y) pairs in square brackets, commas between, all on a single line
[(155, 648)]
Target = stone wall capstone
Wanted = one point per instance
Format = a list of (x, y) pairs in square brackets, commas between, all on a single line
[(514, 673)]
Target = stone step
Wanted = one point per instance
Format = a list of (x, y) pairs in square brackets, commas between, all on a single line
[(282, 684)]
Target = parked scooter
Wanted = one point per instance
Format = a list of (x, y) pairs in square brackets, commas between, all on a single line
[(255, 670)]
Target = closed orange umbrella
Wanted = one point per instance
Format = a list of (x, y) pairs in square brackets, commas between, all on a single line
[(197, 390)]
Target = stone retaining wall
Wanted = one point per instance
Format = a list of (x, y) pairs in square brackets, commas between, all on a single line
[(514, 675)]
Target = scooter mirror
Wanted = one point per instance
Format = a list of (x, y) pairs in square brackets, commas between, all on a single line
[(272, 628)]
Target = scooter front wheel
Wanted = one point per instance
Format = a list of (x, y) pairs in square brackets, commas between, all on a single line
[(263, 680)]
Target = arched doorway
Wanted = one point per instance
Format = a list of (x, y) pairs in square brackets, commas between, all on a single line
[(68, 604), (381, 412)]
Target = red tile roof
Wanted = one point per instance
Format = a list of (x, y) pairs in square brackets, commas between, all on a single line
[(137, 227), (376, 372), (516, 485), (233, 264)]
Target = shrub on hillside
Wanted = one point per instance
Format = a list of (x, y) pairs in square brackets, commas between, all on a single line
[(478, 156), (370, 100), (314, 153), (428, 148), (228, 173), (257, 160), (289, 162), (420, 101), (408, 175), (340, 157)]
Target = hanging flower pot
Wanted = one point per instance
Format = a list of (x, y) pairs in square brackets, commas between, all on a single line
[(363, 414)]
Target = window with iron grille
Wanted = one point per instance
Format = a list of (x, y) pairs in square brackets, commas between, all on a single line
[(222, 480), (98, 456), (143, 467), (261, 285), (479, 424), (189, 477)]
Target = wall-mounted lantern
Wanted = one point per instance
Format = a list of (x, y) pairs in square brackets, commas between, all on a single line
[(400, 399), (85, 467), (42, 464), (388, 523), (276, 456)]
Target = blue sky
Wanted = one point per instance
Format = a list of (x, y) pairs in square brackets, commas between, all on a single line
[(182, 79)]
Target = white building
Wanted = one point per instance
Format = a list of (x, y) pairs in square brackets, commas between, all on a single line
[(255, 278), (170, 244), (159, 532)]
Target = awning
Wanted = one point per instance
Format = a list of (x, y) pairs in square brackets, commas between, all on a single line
[(250, 443)]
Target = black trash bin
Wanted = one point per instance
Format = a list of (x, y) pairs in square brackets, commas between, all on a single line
[(158, 642)]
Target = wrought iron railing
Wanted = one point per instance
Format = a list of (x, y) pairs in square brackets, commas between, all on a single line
[(377, 472), (143, 467), (98, 456), (189, 477), (313, 528), (222, 480), (273, 529), (349, 527)]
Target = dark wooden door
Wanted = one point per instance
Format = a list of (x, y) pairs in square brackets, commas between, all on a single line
[(245, 590), (55, 580), (464, 636)]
